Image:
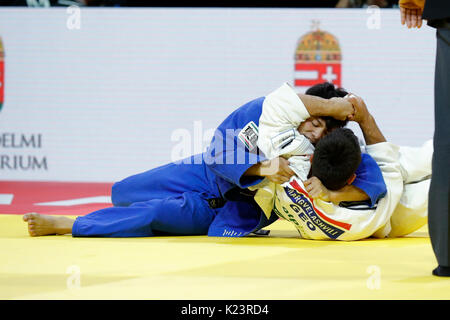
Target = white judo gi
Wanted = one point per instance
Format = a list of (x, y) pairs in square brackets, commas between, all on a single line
[(406, 172)]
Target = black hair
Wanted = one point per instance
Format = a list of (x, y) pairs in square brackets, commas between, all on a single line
[(336, 158), (328, 90)]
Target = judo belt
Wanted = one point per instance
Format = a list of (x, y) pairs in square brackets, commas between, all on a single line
[(215, 203), (237, 195)]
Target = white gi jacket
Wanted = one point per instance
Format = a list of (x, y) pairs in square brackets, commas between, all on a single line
[(399, 212), (283, 111), (320, 220)]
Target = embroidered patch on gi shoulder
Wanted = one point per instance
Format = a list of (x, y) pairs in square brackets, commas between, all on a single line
[(249, 135)]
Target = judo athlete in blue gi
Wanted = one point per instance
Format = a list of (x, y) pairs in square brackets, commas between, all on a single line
[(208, 193)]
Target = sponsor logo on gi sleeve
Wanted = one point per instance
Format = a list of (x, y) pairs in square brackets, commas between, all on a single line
[(283, 139), (249, 135)]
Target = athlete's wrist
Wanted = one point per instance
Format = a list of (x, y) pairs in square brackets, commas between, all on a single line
[(254, 170), (339, 108), (333, 197), (366, 120)]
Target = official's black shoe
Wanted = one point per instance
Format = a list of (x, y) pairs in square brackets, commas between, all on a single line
[(441, 271)]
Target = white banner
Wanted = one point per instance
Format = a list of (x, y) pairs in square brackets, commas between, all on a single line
[(97, 94)]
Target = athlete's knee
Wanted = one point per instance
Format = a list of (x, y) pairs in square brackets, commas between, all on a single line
[(118, 195)]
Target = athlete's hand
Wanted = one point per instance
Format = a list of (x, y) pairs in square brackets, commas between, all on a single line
[(361, 111), (342, 109), (276, 170), (316, 189), (411, 16)]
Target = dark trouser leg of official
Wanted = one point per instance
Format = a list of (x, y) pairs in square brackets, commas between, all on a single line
[(439, 195)]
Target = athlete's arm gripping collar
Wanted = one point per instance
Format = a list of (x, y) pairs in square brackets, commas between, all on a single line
[(282, 110)]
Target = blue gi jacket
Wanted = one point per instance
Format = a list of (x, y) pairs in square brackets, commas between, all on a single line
[(228, 157)]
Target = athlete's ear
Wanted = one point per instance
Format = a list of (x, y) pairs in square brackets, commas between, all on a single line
[(311, 157), (352, 178)]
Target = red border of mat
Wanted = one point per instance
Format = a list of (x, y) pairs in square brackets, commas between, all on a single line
[(28, 193)]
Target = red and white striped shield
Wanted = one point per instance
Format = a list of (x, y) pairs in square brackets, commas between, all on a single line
[(317, 59)]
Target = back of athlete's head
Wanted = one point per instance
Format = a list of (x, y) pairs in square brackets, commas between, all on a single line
[(328, 90), (336, 158)]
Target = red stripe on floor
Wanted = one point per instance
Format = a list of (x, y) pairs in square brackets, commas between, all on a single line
[(28, 193)]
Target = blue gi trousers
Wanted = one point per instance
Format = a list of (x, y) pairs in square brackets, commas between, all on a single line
[(172, 199), (169, 199)]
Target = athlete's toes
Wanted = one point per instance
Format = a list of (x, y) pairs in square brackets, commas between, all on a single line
[(30, 216), (31, 230)]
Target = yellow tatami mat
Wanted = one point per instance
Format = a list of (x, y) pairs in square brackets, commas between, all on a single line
[(279, 266)]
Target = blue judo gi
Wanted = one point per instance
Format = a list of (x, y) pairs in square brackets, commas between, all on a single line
[(203, 194)]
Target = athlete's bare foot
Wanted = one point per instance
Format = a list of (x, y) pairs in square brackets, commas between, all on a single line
[(43, 225)]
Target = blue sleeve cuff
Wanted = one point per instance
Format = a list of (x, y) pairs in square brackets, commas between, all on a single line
[(370, 179)]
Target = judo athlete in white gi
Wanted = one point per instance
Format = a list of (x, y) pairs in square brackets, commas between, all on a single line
[(205, 193), (406, 171)]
